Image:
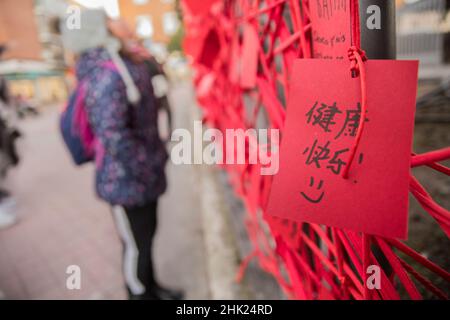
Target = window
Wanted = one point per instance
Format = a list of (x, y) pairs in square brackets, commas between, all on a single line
[(140, 2), (144, 26), (170, 23)]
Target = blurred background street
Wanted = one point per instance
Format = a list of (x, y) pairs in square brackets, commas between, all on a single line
[(62, 223)]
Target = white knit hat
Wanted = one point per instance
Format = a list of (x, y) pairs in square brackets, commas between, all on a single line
[(91, 33)]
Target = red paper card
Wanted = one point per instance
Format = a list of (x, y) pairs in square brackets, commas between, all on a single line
[(321, 122), (331, 28)]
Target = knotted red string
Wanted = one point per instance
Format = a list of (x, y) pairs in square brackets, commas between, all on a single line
[(357, 58)]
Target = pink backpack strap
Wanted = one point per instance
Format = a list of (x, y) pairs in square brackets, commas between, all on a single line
[(109, 65), (99, 149)]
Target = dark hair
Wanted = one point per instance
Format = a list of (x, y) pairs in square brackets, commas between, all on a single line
[(2, 49), (54, 25)]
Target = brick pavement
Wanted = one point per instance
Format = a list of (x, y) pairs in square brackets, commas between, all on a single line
[(62, 223)]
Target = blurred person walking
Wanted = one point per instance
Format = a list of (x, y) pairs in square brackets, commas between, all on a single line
[(8, 152), (129, 154)]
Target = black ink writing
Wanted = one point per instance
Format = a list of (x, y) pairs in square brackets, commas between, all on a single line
[(323, 115), (317, 197), (327, 8)]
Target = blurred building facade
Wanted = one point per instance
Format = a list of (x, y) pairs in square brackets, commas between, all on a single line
[(33, 63), (46, 15), (423, 32), (18, 30), (154, 21)]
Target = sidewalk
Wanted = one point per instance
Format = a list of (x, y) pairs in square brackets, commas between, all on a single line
[(62, 224)]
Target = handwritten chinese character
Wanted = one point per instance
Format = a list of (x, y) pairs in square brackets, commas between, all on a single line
[(323, 115), (317, 154), (351, 122), (335, 164)]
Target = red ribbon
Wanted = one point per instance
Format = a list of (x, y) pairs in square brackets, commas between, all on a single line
[(357, 58)]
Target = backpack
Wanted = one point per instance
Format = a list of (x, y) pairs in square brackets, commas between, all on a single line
[(74, 122), (74, 125)]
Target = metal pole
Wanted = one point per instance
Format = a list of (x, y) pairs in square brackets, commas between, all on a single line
[(378, 40), (378, 32)]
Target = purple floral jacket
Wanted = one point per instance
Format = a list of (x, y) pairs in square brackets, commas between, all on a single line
[(131, 171)]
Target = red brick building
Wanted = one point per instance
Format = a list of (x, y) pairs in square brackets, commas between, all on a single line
[(151, 19), (19, 30)]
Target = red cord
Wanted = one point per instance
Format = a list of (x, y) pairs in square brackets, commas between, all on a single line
[(357, 58)]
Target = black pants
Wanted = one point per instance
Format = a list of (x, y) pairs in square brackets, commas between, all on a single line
[(137, 227)]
